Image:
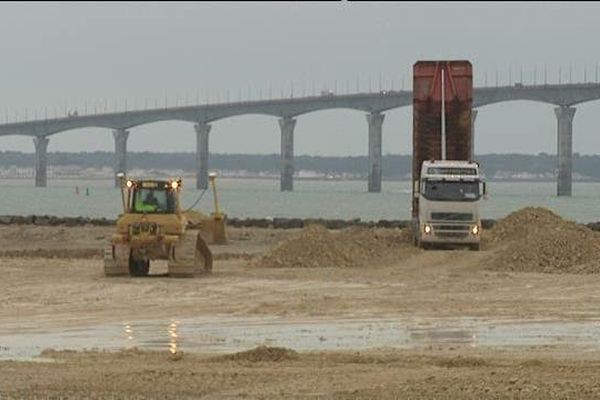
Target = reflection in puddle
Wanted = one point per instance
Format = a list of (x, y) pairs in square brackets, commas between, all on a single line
[(223, 334), (129, 335), (173, 337)]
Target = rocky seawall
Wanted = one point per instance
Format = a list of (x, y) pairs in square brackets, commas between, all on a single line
[(276, 223)]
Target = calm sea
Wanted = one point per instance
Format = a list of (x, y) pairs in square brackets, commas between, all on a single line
[(316, 199)]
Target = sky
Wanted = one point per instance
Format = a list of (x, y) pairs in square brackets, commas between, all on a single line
[(97, 56)]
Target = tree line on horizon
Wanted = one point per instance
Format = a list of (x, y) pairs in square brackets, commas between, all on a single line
[(395, 166)]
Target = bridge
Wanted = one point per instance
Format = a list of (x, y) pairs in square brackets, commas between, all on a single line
[(563, 96)]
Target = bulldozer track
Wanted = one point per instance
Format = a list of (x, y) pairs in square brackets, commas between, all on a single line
[(116, 263)]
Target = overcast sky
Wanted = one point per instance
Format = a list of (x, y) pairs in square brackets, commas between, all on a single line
[(77, 56)]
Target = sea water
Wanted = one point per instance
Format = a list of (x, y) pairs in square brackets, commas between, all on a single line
[(261, 198)]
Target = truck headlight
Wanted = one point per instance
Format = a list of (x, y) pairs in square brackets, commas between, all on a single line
[(475, 229), (427, 229)]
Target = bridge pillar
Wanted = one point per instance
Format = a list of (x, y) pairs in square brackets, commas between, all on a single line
[(375, 120), (120, 163), (564, 117), (202, 131), (287, 124), (473, 117), (41, 162)]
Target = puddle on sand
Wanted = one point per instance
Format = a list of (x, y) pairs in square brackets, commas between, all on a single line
[(222, 335)]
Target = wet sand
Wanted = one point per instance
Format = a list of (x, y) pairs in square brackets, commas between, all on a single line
[(451, 372), (438, 306)]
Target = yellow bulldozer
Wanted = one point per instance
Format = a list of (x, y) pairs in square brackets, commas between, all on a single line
[(154, 226)]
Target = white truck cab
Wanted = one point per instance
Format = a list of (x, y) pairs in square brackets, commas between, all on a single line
[(449, 195)]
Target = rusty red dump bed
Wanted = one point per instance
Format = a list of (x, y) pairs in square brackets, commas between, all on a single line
[(427, 109)]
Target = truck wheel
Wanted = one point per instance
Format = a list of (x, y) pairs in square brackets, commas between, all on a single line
[(474, 247), (138, 267)]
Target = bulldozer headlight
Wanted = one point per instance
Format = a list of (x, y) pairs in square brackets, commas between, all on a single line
[(427, 229), (475, 230), (129, 184), (174, 185)]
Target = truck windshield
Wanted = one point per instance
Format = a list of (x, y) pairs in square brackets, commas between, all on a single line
[(451, 191), (153, 201)]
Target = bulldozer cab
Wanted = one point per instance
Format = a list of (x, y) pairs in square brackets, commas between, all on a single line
[(150, 200), (151, 197)]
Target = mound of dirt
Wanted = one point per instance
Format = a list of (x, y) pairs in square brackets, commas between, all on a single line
[(261, 354), (535, 239), (523, 223), (315, 246)]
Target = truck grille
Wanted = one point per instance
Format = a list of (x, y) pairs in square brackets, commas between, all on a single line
[(451, 227), (461, 234), (445, 216), (451, 231)]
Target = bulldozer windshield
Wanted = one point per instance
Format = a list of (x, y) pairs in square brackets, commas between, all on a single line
[(159, 201)]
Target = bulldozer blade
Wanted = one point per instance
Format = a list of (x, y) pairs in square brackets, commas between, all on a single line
[(219, 236), (190, 257)]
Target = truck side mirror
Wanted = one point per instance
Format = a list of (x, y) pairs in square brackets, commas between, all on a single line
[(416, 188), (121, 178)]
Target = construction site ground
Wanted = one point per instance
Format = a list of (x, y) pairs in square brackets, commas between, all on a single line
[(416, 324)]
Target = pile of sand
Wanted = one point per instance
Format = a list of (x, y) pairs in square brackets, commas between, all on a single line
[(535, 239), (261, 354), (524, 222), (315, 246)]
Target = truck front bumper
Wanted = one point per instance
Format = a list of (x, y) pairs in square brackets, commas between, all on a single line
[(451, 233)]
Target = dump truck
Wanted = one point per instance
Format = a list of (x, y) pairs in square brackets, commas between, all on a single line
[(447, 184), (154, 226)]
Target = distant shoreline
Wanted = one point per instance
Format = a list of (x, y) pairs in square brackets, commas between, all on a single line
[(510, 167)]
